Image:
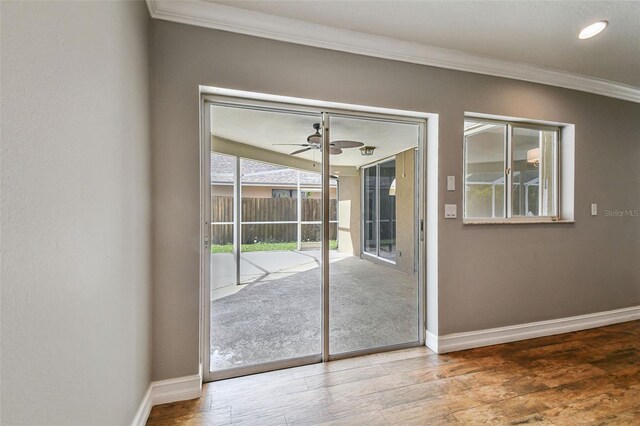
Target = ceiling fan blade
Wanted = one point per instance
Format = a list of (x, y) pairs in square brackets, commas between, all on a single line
[(346, 144), (300, 150), (291, 144), (334, 151)]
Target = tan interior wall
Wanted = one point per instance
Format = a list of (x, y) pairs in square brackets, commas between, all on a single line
[(405, 211), (349, 215)]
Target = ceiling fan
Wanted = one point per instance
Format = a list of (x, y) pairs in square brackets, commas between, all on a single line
[(314, 141)]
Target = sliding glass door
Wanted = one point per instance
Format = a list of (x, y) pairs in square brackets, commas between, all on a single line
[(265, 290), (373, 280), (308, 255)]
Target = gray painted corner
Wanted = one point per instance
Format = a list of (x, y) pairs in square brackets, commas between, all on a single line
[(76, 212)]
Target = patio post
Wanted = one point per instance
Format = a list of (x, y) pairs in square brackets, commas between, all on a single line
[(237, 217), (299, 211), (325, 236)]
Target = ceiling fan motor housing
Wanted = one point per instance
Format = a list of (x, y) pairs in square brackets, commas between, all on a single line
[(316, 138)]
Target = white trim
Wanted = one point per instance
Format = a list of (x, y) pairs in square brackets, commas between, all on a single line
[(213, 94), (431, 225), (494, 336), (226, 18), (432, 341), (179, 389), (165, 391), (293, 104), (514, 221), (141, 416)]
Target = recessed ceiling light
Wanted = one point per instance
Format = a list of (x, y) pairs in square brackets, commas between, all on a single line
[(592, 30)]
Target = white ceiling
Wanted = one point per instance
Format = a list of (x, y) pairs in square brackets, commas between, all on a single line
[(521, 39), (264, 129), (541, 33)]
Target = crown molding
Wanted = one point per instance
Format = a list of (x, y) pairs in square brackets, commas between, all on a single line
[(219, 17)]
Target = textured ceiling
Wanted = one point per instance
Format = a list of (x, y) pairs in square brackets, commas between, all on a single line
[(539, 33)]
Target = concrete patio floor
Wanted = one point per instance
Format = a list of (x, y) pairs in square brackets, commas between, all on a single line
[(276, 315)]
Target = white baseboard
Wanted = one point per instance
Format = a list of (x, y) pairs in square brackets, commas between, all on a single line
[(165, 391), (432, 341), (141, 416), (494, 336)]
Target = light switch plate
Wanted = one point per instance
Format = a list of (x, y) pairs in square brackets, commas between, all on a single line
[(451, 183), (450, 211), (594, 209)]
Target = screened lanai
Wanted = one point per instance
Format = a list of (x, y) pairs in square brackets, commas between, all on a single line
[(485, 194), (266, 270), (280, 209)]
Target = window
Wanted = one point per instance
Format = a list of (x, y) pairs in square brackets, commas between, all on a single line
[(510, 170), (284, 193)]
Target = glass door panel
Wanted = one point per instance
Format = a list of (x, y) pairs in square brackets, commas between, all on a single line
[(370, 225), (223, 269), (333, 215), (387, 213), (373, 297), (266, 285)]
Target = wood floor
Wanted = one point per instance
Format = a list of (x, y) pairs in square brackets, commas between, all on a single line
[(587, 377)]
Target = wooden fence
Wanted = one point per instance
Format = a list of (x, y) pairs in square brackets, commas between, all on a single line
[(271, 210)]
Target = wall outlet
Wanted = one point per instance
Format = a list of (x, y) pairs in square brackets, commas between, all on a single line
[(451, 183), (450, 211), (594, 209)]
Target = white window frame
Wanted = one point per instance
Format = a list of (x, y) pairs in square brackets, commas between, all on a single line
[(508, 217)]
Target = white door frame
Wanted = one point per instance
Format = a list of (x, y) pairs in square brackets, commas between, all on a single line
[(299, 105)]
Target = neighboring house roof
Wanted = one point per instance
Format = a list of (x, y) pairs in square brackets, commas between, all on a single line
[(259, 173)]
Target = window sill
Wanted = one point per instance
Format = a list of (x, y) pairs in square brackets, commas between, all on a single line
[(513, 222)]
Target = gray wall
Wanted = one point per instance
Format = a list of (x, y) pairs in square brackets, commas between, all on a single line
[(75, 216), (489, 276)]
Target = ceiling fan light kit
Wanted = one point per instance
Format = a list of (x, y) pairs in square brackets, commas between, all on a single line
[(367, 150)]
